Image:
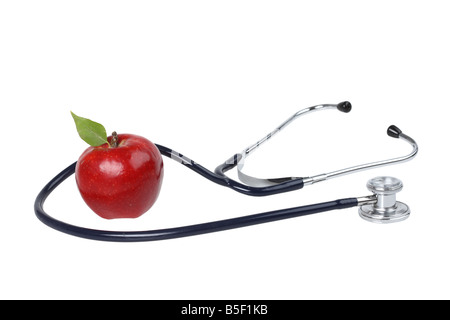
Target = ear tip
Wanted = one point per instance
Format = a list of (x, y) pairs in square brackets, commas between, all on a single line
[(394, 131), (344, 106)]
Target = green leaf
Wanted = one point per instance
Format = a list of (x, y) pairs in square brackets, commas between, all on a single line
[(91, 132)]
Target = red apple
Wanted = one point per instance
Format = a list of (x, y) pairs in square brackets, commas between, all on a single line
[(121, 178)]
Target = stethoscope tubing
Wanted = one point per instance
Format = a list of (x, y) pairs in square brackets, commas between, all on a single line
[(184, 231), (220, 178)]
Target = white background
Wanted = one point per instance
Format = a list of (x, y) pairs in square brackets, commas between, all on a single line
[(208, 78)]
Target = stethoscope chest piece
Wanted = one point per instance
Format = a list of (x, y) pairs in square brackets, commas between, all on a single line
[(386, 209)]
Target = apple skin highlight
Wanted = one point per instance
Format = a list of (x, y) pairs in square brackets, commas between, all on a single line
[(122, 181)]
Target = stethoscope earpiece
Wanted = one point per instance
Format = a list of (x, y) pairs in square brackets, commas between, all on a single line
[(385, 209)]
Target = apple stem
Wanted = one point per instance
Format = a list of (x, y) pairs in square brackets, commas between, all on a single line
[(114, 140)]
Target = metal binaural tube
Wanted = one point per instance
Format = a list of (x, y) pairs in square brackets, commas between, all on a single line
[(239, 159), (302, 112), (344, 106), (367, 166)]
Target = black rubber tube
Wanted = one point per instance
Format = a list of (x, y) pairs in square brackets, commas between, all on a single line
[(178, 232), (219, 176)]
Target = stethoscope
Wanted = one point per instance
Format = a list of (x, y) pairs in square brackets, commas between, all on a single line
[(380, 207)]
